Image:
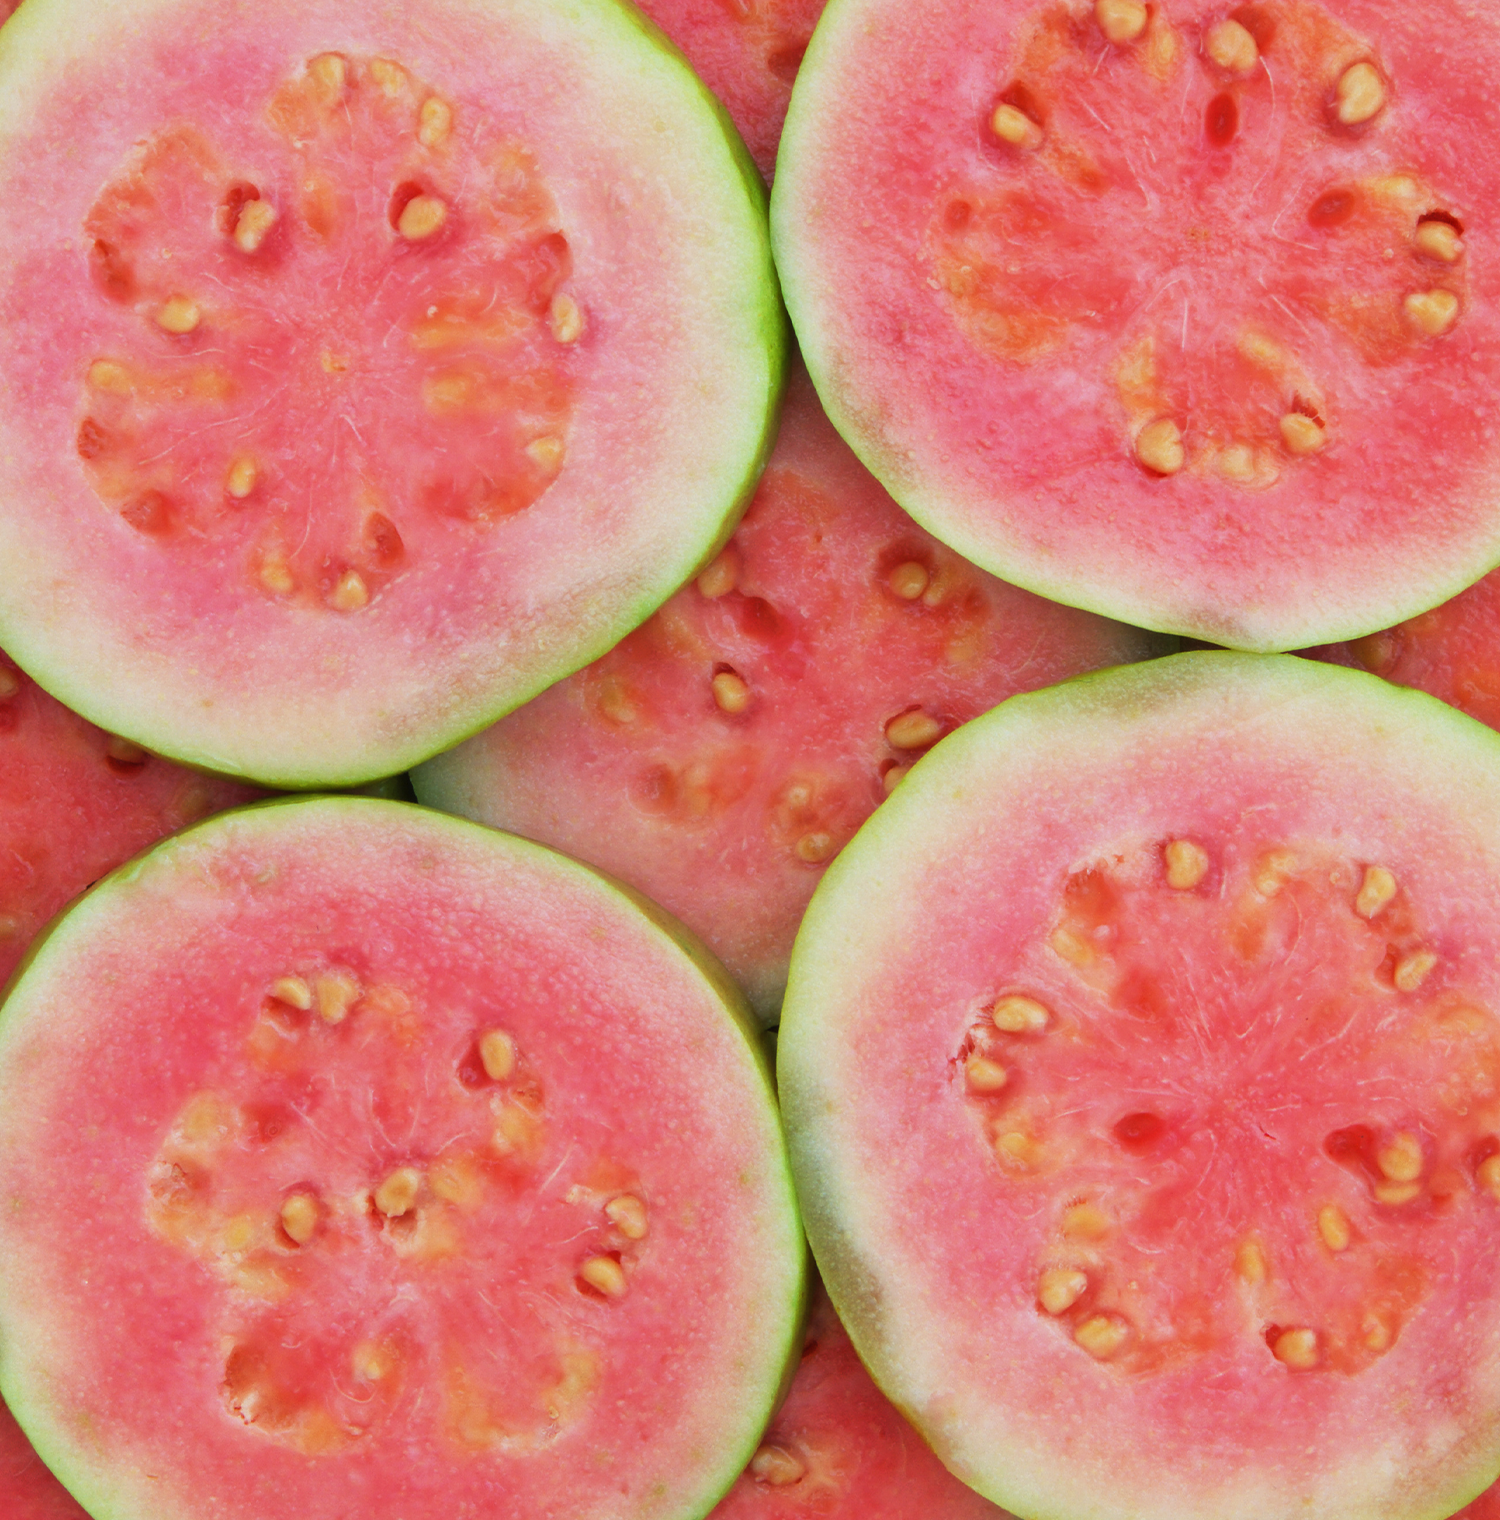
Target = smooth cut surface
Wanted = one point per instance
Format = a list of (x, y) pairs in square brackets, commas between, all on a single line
[(360, 380), (1115, 300), (1138, 1062), (422, 1169)]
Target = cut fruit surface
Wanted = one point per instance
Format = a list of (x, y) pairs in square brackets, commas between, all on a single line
[(75, 803), (353, 413), (721, 755), (1134, 1033), (1170, 311), (412, 1160), (838, 1450), (748, 53)]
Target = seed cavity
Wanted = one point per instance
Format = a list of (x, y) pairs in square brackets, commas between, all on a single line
[(913, 730), (1231, 46), (1221, 119), (908, 580), (1432, 311), (255, 220), (422, 217), (1158, 446), (350, 593), (1015, 127), (1297, 1348), (1019, 1015), (178, 315), (1187, 864), (1411, 970), (1301, 434), (1359, 94), (299, 1217), (565, 317), (1059, 1288), (1333, 208), (722, 575), (1139, 1132), (628, 1215), (1120, 20), (336, 993), (1333, 1226), (435, 122), (497, 1054), (398, 1193), (777, 1466), (985, 1075), (1439, 240), (730, 692), (1376, 891), (605, 1275), (1101, 1335)]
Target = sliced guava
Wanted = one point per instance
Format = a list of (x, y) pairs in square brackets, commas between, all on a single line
[(353, 1155), (367, 367), (76, 802), (1141, 1067), (747, 52), (1168, 310), (838, 1450), (722, 754)]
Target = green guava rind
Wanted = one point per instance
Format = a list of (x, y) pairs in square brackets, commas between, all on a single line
[(1033, 757), (102, 664), (29, 1387)]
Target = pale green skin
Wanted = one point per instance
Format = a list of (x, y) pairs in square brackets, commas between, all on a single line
[(274, 726), (870, 906), (772, 1350)]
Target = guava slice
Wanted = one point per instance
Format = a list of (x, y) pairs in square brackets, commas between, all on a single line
[(1139, 1063), (368, 368), (28, 1491), (75, 803), (747, 52), (721, 755), (1166, 310), (356, 1155), (837, 1450)]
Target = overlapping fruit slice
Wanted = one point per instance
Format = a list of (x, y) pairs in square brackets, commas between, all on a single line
[(320, 387), (1151, 1143), (410, 1159), (1162, 309), (722, 754)]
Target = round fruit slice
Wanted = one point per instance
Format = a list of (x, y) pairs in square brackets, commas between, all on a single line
[(352, 1150), (365, 380), (76, 802), (1167, 310), (1139, 1062), (721, 755), (748, 53), (27, 1490), (837, 1450)]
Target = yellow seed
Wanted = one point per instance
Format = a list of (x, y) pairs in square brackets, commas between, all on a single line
[(299, 1217), (1439, 240), (1015, 1148), (1158, 446), (389, 77), (1377, 1333), (1019, 1015), (107, 375), (730, 692), (255, 220), (985, 1075), (1187, 864), (239, 1232), (1059, 1288), (396, 1195), (565, 318), (293, 990), (1085, 1221), (892, 777), (908, 580), (913, 730), (351, 593), (1360, 92), (1301, 434), (628, 1215), (435, 122), (1100, 1336), (421, 217), (336, 993), (1250, 1262), (330, 70), (276, 575), (1375, 891), (1395, 1193), (1402, 1159), (1231, 46), (605, 1274), (1071, 946), (239, 481), (1120, 20), (721, 576), (497, 1052), (1015, 127), (1297, 1348), (1333, 1226), (777, 1466), (1237, 462), (1271, 872), (546, 451), (370, 1362), (177, 314), (1432, 311), (814, 847), (10, 683), (124, 751), (1411, 970), (1488, 1174)]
